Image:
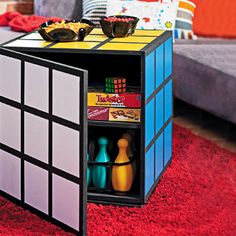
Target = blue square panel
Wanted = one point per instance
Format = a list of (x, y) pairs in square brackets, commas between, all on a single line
[(168, 143), (149, 122), (149, 169), (168, 58), (159, 65), (159, 156), (168, 100), (149, 74), (159, 110)]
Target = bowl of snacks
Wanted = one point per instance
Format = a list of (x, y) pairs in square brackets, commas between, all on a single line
[(64, 31), (118, 26)]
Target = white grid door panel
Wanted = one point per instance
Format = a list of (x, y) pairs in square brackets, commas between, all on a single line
[(10, 74), (66, 93), (36, 137), (10, 174), (66, 149), (36, 187), (10, 133), (66, 201), (43, 138), (36, 86)]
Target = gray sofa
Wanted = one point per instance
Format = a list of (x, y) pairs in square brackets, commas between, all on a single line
[(205, 75), (6, 34)]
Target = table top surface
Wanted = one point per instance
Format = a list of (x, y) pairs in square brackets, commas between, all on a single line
[(96, 41)]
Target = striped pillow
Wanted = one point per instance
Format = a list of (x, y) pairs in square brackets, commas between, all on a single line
[(94, 9), (183, 22)]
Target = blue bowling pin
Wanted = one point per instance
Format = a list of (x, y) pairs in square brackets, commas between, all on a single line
[(100, 171), (89, 173)]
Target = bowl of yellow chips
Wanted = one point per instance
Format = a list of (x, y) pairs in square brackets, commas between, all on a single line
[(64, 31)]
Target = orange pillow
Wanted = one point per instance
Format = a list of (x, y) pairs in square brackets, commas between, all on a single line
[(215, 18)]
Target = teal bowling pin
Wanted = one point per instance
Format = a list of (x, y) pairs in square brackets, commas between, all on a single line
[(100, 171), (89, 173)]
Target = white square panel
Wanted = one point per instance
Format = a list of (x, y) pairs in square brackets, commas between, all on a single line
[(34, 35), (10, 77), (66, 149), (36, 137), (66, 201), (10, 126), (36, 187), (10, 174), (36, 86), (66, 91)]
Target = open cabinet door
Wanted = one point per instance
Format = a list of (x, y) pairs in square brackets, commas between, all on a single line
[(43, 138)]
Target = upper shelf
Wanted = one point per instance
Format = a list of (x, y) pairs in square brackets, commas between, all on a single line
[(130, 125)]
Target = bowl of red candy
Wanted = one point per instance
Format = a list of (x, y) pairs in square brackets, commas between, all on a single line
[(119, 26)]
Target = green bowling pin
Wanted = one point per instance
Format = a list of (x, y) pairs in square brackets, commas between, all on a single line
[(100, 171), (89, 173)]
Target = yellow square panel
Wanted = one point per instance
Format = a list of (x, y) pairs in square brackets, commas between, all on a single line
[(76, 45), (96, 38), (97, 31), (149, 32), (134, 39), (123, 46), (34, 35), (28, 44)]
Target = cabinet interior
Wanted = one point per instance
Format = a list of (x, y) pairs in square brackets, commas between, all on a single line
[(113, 135), (100, 66)]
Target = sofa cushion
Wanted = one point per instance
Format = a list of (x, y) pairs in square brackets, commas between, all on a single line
[(67, 9), (205, 75), (215, 18), (7, 34), (183, 23), (152, 15), (94, 9)]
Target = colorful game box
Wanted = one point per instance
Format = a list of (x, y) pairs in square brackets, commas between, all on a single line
[(124, 114), (101, 99), (98, 113), (114, 114)]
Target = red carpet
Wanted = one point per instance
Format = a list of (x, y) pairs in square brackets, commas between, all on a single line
[(196, 196)]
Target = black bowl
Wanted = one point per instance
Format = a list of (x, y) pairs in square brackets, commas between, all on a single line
[(65, 35), (119, 29)]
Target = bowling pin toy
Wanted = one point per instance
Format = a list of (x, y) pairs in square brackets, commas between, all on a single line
[(130, 154), (129, 149), (100, 171), (122, 175), (89, 173)]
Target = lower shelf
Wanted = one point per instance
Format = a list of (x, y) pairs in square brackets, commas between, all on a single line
[(130, 200)]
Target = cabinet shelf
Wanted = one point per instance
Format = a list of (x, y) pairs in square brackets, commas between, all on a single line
[(129, 125), (133, 199)]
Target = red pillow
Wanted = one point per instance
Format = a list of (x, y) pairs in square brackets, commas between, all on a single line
[(215, 18)]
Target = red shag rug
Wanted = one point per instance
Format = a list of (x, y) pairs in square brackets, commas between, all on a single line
[(196, 196)]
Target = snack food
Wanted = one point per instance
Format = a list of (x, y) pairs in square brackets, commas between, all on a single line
[(66, 31), (74, 26), (118, 19), (118, 26)]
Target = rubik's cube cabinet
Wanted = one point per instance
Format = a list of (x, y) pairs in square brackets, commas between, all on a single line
[(44, 128)]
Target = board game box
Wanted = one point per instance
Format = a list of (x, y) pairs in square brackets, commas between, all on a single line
[(114, 114), (100, 99)]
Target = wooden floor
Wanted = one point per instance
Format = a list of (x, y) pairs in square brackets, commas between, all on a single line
[(208, 126)]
